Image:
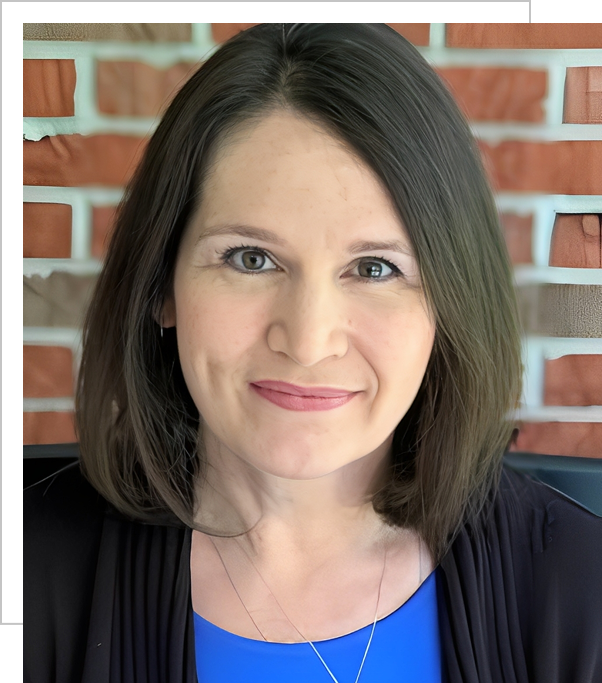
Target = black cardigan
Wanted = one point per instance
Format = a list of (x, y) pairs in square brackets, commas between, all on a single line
[(108, 599)]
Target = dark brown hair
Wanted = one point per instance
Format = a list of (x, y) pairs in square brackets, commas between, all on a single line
[(137, 424)]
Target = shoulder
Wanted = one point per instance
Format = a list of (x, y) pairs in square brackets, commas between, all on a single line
[(526, 520), (540, 528), (535, 542), (556, 524), (563, 537), (557, 551), (527, 571), (63, 520), (63, 507)]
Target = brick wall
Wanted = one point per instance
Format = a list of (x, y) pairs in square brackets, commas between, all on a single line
[(533, 93)]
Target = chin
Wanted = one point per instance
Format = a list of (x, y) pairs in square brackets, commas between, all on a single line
[(296, 466)]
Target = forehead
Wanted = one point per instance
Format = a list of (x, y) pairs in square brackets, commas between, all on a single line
[(285, 173)]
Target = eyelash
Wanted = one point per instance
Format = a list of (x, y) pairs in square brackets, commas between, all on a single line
[(227, 253)]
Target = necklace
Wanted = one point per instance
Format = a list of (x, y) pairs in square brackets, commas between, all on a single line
[(313, 647)]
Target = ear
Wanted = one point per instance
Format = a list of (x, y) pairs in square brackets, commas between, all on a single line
[(167, 315)]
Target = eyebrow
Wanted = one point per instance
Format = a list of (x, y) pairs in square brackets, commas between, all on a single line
[(244, 231), (390, 245), (268, 236)]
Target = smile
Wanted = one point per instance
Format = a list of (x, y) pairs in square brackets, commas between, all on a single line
[(292, 397)]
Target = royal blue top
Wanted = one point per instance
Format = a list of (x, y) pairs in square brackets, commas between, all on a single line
[(405, 647)]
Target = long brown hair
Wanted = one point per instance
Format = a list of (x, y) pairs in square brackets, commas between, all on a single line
[(137, 424)]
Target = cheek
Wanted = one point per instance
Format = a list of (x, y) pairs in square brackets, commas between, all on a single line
[(397, 335), (398, 346), (213, 328)]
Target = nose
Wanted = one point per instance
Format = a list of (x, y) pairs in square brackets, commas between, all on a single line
[(308, 324)]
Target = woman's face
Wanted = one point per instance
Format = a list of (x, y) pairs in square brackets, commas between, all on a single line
[(296, 269)]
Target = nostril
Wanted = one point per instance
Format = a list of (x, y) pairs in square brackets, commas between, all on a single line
[(307, 346)]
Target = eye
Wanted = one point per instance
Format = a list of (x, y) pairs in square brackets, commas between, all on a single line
[(377, 269), (248, 259)]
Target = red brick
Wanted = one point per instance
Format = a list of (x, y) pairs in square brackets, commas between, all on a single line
[(74, 160), (47, 372), (418, 34), (498, 94), (582, 439), (576, 241), (544, 36), (583, 95), (566, 167), (223, 32), (518, 231), (39, 428), (573, 381), (103, 219), (46, 230), (48, 87), (136, 89)]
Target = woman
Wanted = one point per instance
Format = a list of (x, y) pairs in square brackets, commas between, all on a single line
[(292, 405)]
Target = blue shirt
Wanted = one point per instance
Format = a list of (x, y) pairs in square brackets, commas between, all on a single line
[(405, 647)]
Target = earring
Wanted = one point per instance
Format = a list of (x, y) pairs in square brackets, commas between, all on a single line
[(161, 332)]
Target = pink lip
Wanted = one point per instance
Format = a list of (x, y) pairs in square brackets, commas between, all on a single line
[(292, 397)]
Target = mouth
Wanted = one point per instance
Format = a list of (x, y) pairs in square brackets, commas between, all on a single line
[(293, 397)]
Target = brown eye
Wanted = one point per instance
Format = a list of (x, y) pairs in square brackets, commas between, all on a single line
[(253, 260), (248, 260), (374, 269)]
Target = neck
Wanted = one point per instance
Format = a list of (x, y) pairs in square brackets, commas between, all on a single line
[(326, 514)]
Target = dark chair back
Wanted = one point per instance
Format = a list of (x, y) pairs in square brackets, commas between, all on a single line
[(44, 460), (577, 478)]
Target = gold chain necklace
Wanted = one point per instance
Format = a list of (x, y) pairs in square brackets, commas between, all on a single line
[(313, 647)]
